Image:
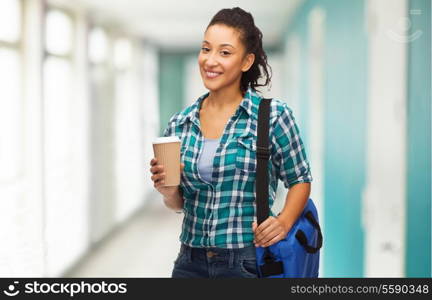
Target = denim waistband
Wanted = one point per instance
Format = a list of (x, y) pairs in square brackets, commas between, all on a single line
[(219, 254)]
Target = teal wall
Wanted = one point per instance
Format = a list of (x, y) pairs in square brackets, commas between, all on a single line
[(345, 92), (345, 137), (171, 86), (418, 237)]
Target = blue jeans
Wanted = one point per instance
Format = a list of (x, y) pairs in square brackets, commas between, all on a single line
[(215, 263)]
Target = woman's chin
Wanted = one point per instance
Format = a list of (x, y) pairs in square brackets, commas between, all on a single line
[(211, 87)]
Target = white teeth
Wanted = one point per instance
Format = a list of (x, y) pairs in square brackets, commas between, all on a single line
[(212, 74)]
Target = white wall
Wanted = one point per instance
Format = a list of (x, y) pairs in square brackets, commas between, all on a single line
[(149, 97), (316, 113), (129, 155), (53, 163), (21, 203), (384, 196)]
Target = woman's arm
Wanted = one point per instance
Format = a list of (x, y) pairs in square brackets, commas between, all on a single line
[(274, 229), (295, 202), (176, 201), (292, 167), (172, 195)]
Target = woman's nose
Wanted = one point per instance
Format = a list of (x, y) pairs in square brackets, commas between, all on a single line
[(210, 61)]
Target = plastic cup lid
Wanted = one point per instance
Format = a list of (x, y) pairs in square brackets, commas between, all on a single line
[(166, 139)]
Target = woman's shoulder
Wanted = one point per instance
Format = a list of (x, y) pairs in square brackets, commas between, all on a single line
[(177, 118), (278, 108), (180, 117), (277, 105), (188, 112), (176, 122)]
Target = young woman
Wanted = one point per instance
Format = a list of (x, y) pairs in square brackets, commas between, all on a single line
[(218, 134)]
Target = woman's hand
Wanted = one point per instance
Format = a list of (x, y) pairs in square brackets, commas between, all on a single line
[(271, 231), (158, 179)]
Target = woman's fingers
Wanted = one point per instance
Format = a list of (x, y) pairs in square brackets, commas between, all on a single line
[(264, 231), (267, 231), (274, 240), (267, 236), (157, 169), (158, 177), (160, 168), (159, 174), (159, 183), (254, 226)]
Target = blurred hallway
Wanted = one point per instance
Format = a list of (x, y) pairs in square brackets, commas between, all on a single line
[(144, 246), (87, 85)]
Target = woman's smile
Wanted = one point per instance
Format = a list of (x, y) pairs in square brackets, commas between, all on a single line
[(212, 74)]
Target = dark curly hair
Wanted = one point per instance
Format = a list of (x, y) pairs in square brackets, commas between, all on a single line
[(251, 37)]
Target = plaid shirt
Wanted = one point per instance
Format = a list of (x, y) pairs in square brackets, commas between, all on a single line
[(220, 213)]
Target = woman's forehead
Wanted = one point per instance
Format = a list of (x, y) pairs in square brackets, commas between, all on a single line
[(221, 35)]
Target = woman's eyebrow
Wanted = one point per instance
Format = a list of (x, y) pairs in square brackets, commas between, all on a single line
[(221, 45), (225, 45)]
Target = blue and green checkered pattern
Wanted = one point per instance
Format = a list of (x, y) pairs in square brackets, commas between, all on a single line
[(220, 213)]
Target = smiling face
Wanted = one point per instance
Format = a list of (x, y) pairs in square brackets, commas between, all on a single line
[(222, 58)]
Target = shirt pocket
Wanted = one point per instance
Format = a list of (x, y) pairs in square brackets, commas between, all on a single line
[(246, 155)]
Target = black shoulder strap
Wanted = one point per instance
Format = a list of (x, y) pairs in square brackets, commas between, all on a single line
[(263, 155)]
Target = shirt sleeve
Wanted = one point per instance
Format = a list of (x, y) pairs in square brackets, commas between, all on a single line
[(289, 155)]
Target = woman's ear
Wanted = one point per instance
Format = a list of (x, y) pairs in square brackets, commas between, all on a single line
[(248, 62)]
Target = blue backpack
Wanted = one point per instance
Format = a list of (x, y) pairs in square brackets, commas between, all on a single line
[(297, 255)]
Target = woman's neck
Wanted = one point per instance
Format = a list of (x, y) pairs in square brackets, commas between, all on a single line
[(225, 99)]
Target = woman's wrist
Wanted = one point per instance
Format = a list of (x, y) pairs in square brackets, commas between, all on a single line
[(174, 201), (286, 222), (170, 198)]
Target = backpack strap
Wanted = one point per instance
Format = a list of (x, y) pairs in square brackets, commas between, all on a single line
[(270, 266), (263, 155)]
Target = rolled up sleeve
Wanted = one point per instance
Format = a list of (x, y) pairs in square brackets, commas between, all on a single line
[(289, 155)]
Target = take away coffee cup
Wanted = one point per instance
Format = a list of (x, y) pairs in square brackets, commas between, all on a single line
[(167, 152)]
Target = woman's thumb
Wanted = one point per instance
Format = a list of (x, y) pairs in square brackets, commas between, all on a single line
[(182, 166), (254, 226)]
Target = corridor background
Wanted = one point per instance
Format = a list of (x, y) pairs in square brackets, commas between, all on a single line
[(86, 85)]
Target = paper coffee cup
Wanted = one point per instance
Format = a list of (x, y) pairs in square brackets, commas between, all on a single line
[(167, 152)]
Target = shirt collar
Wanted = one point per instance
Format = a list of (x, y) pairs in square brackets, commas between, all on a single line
[(250, 104)]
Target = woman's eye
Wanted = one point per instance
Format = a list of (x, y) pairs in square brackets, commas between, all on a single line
[(225, 53), (204, 49)]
